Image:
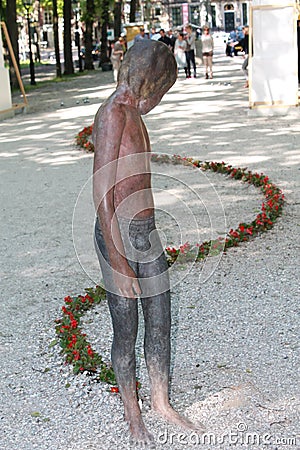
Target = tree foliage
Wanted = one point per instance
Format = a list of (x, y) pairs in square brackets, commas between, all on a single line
[(102, 12)]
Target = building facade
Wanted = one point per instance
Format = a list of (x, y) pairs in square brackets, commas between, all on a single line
[(218, 14)]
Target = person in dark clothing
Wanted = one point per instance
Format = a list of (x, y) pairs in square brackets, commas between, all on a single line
[(165, 39), (245, 46), (173, 39), (190, 52)]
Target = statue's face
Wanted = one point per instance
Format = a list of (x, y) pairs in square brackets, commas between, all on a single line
[(145, 105), (149, 70)]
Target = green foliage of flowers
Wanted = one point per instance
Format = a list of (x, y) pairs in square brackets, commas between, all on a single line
[(74, 344)]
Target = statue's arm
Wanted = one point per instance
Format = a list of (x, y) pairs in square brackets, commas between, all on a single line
[(107, 137)]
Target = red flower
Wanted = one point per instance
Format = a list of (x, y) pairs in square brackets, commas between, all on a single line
[(76, 355), (114, 389), (235, 234), (90, 351), (74, 323), (171, 250), (184, 248)]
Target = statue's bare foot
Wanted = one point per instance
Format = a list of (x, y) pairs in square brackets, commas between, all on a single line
[(172, 416), (138, 431)]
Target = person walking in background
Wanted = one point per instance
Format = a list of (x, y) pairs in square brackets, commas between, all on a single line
[(154, 34), (245, 45), (207, 51), (140, 36), (165, 39), (232, 41), (180, 52), (172, 38), (117, 56), (190, 51)]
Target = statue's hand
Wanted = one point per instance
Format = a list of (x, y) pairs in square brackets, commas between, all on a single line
[(127, 283)]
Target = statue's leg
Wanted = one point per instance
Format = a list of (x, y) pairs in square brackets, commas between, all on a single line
[(157, 316), (124, 314)]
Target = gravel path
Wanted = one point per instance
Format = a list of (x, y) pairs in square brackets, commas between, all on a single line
[(235, 335)]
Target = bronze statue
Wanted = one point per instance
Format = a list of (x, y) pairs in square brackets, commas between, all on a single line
[(129, 249)]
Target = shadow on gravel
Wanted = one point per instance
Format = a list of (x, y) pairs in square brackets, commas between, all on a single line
[(206, 119)]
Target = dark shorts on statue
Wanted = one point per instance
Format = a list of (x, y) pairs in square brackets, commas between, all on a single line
[(144, 253)]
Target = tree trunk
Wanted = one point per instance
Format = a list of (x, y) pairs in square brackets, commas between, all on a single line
[(12, 27), (1, 10), (132, 11), (69, 68), (88, 37), (56, 41), (104, 25), (117, 17)]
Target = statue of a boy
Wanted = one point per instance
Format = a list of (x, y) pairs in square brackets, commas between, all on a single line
[(129, 249)]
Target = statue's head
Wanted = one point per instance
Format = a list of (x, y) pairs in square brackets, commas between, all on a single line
[(149, 68)]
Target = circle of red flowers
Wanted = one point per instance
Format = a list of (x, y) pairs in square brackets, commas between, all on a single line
[(75, 347)]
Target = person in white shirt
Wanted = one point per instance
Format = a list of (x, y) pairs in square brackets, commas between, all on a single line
[(180, 52), (207, 51)]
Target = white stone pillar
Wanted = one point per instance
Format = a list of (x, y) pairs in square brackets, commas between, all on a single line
[(5, 94), (273, 70)]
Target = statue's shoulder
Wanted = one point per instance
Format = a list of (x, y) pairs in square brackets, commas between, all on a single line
[(110, 108)]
